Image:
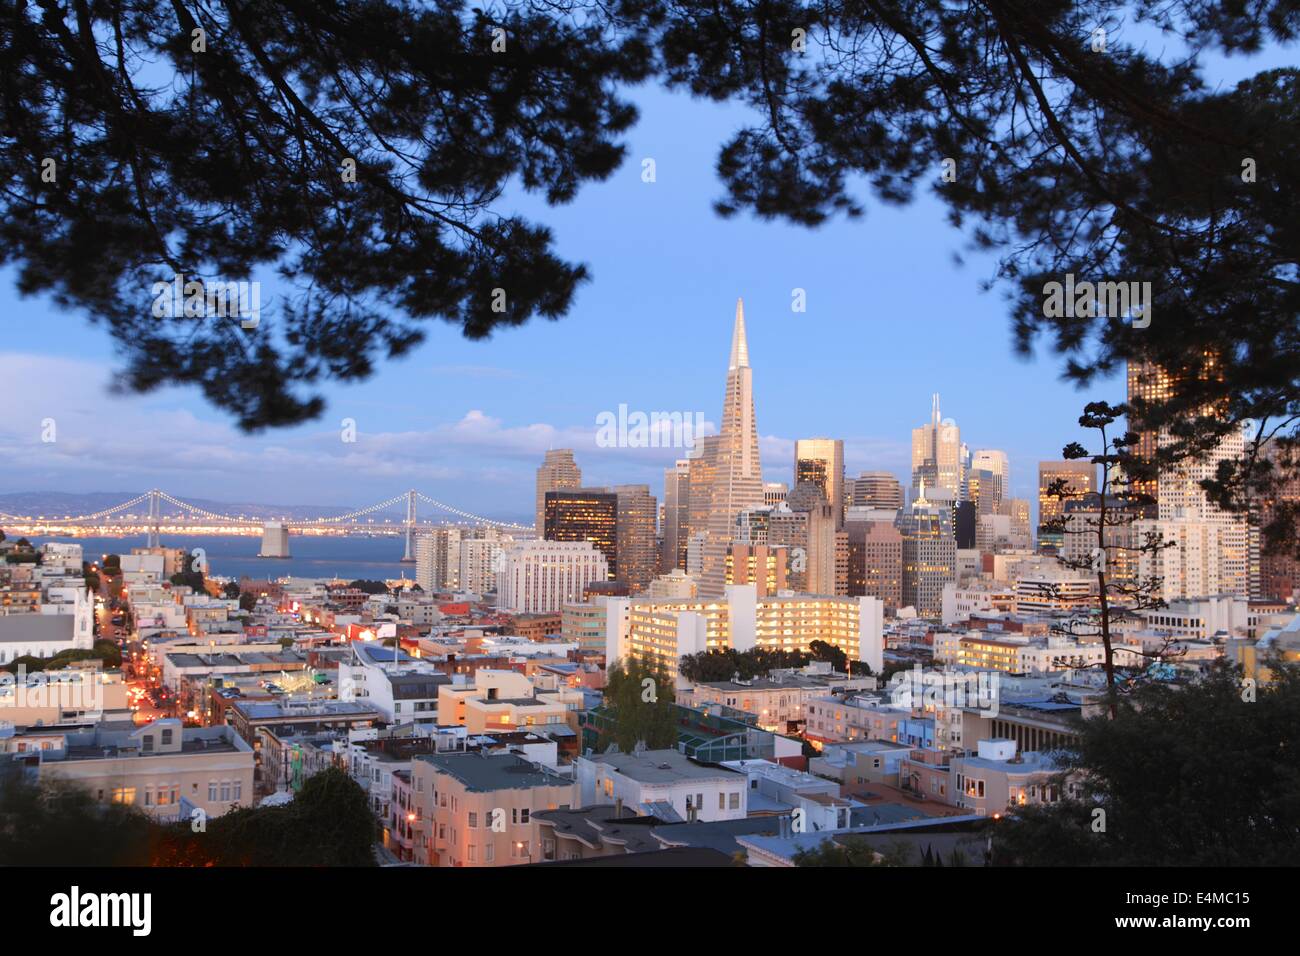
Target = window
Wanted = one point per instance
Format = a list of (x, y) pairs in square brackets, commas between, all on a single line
[(734, 802), (722, 801), (473, 820), (147, 746), (166, 736), (124, 795), (489, 853), (225, 791), (212, 790), (471, 853)]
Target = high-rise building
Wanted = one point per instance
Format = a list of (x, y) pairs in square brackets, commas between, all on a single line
[(738, 478), (1021, 529), (995, 472), (635, 536), (540, 577), (1218, 555), (821, 462), (702, 465), (559, 472), (437, 559), (1080, 477), (676, 515), (929, 554), (585, 514), (752, 525), (1279, 572), (876, 489), (765, 567), (479, 553), (937, 458), (875, 561), (822, 565), (1215, 542)]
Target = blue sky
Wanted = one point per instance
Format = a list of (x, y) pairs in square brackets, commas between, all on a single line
[(890, 319)]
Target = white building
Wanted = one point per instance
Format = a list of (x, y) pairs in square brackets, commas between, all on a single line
[(542, 576), (662, 783)]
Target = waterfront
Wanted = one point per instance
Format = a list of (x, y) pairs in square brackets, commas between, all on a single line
[(312, 556)]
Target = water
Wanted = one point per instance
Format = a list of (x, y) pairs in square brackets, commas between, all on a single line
[(316, 556)]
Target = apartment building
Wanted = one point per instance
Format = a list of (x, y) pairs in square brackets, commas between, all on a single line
[(475, 809), (661, 783), (155, 766), (998, 778), (662, 632), (780, 700)]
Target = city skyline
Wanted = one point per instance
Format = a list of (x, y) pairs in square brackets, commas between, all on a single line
[(470, 421)]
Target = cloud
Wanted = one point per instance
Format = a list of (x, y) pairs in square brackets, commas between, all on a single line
[(476, 461)]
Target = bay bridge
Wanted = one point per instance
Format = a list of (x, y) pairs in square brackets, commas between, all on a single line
[(163, 512)]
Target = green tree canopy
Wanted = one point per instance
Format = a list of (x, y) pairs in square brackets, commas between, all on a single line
[(1198, 774), (640, 699)]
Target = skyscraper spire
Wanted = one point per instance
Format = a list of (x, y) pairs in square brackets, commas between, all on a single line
[(739, 344), (736, 482)]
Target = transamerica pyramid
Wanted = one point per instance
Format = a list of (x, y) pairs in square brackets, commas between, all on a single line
[(738, 478)]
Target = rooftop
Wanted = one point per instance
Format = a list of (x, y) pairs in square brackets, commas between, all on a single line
[(486, 772), (660, 767)]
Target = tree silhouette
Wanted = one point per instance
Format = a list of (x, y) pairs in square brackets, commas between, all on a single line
[(357, 149), (1112, 546), (361, 150)]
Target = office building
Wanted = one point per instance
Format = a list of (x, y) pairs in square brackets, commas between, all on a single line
[(929, 554), (737, 482), (820, 461), (875, 562), (559, 472), (1079, 477), (585, 514), (937, 460), (635, 552), (542, 576), (676, 516), (875, 489)]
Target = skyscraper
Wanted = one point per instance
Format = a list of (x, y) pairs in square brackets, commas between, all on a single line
[(937, 454), (676, 515), (738, 478), (875, 561), (876, 489), (559, 472), (929, 554), (585, 514), (821, 462), (636, 536), (1080, 477), (995, 491), (1212, 544)]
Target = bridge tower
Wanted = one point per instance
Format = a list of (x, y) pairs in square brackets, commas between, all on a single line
[(409, 557), (155, 516)]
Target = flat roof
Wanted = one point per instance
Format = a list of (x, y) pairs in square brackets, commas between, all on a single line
[(485, 772), (661, 767)]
